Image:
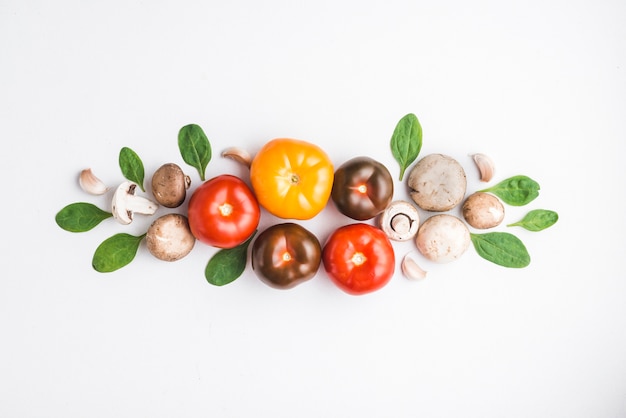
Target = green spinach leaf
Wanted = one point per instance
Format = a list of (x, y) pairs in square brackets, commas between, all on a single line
[(116, 252), (516, 190), (501, 248), (406, 141), (227, 265), (195, 148), (80, 217), (537, 220), (132, 167)]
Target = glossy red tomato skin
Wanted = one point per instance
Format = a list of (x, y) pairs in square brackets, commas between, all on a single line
[(359, 258), (223, 212)]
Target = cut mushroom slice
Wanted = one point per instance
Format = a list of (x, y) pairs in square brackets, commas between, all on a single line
[(126, 203)]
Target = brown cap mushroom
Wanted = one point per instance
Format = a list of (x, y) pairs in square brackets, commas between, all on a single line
[(483, 210), (169, 237), (169, 185)]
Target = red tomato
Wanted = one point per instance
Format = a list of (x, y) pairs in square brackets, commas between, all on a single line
[(359, 258), (223, 212)]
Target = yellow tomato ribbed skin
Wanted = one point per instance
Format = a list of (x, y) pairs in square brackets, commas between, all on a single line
[(292, 179)]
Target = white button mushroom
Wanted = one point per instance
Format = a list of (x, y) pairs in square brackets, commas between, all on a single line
[(437, 183), (443, 238), (399, 221), (126, 203)]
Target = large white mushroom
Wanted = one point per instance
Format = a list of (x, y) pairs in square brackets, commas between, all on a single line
[(437, 183), (443, 238)]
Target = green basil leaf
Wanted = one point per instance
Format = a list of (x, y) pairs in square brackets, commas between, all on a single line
[(80, 217), (501, 248), (406, 141), (194, 147), (116, 252), (228, 264), (516, 190), (537, 220), (132, 167)]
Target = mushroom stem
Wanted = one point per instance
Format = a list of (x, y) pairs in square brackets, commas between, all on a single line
[(401, 223)]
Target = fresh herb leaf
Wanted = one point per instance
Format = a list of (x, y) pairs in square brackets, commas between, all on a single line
[(501, 248), (406, 141), (537, 220), (516, 190), (80, 217), (228, 264), (132, 167), (194, 147), (116, 252)]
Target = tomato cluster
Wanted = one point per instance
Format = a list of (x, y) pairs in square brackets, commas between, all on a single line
[(294, 180)]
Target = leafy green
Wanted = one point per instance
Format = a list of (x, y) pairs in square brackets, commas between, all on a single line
[(116, 252), (501, 248), (516, 190), (537, 220), (228, 264), (132, 167), (406, 141), (195, 148), (80, 217)]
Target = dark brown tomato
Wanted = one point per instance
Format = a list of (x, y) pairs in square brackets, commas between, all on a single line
[(286, 255), (362, 188)]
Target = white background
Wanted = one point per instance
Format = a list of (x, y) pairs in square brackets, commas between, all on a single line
[(540, 86)]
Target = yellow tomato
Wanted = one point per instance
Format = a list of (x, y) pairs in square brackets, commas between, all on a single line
[(292, 179)]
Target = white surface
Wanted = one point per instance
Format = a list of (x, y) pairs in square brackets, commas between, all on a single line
[(538, 85)]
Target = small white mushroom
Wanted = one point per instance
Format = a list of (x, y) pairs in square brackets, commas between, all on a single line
[(399, 221), (437, 183), (169, 237), (485, 166), (90, 183), (443, 238), (410, 269), (125, 203)]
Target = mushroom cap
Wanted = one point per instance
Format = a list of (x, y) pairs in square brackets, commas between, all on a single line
[(169, 185), (438, 183), (443, 238), (483, 210), (169, 237)]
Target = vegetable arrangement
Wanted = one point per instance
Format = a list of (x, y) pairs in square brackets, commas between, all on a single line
[(295, 180)]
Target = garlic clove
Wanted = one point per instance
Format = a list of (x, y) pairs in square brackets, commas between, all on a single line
[(411, 269), (485, 166), (238, 154), (90, 183)]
